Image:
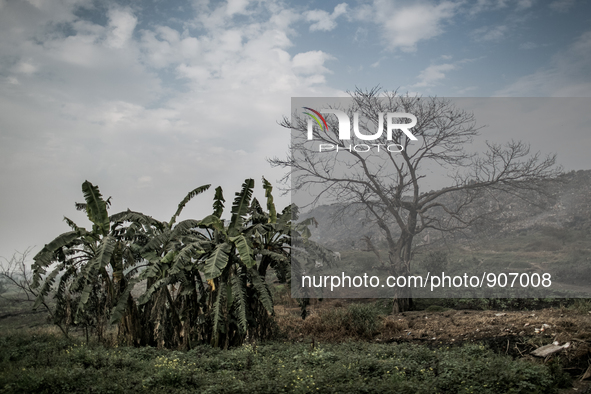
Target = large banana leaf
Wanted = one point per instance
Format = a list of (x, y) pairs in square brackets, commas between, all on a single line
[(160, 283), (212, 221), (244, 250), (270, 205), (217, 313), (94, 267), (96, 208), (239, 294), (45, 257), (240, 207), (74, 226), (217, 262), (184, 256), (262, 290), (284, 220), (47, 285), (118, 311), (218, 202), (183, 227), (156, 242), (273, 255), (136, 217), (188, 198)]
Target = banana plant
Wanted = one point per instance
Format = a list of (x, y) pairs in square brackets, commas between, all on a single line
[(156, 318), (88, 265), (206, 281), (213, 266)]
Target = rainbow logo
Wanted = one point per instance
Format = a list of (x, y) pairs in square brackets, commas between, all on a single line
[(316, 119)]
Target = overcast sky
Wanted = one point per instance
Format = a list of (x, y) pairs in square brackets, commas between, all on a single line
[(150, 99)]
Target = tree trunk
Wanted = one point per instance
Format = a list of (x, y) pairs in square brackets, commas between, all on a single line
[(402, 304), (400, 260)]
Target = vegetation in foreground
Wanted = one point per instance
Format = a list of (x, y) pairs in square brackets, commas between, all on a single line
[(44, 363), (205, 281)]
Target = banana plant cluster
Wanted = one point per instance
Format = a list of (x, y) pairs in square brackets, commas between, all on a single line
[(87, 265), (171, 284)]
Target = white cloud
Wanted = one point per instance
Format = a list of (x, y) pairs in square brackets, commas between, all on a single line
[(164, 46), (433, 74), (234, 56), (311, 62), (406, 25), (236, 6), (567, 75), (323, 21), (121, 26)]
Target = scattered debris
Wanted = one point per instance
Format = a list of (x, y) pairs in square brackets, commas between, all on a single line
[(547, 350), (543, 328), (500, 314)]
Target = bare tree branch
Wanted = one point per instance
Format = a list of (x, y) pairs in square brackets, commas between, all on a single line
[(15, 272)]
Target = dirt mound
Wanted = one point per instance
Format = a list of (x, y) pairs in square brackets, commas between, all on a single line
[(449, 326)]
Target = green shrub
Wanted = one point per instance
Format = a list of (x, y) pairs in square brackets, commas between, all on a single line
[(355, 321), (363, 319)]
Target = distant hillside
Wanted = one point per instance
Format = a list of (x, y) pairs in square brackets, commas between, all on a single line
[(569, 206)]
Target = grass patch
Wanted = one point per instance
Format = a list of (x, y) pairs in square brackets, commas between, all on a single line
[(582, 306), (356, 321), (49, 364)]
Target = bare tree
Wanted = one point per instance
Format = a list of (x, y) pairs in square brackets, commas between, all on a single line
[(15, 273), (388, 184)]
